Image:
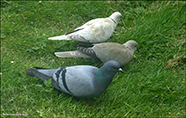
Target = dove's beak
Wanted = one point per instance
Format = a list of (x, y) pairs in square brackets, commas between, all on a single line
[(120, 70), (137, 49)]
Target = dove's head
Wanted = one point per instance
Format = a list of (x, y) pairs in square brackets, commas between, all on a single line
[(132, 45), (116, 16)]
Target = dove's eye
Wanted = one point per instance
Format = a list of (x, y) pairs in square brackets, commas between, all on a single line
[(114, 67)]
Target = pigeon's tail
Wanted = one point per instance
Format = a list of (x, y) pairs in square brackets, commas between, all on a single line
[(42, 73), (71, 54), (63, 37)]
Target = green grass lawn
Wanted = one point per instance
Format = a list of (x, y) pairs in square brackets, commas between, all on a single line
[(153, 84)]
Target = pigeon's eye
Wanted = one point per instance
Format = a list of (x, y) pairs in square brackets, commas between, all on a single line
[(114, 67)]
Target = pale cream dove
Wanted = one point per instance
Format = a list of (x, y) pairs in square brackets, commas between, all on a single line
[(122, 53)]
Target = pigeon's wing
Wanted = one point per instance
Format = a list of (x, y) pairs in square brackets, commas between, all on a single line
[(75, 80)]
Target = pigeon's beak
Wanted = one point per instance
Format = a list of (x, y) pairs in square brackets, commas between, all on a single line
[(120, 70)]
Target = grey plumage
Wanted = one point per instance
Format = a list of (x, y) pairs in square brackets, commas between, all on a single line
[(80, 81), (104, 52)]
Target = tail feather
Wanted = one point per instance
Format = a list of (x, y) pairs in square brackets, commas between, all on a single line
[(43, 74), (63, 37), (71, 54)]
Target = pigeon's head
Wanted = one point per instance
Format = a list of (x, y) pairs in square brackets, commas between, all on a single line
[(116, 16), (112, 66), (106, 73)]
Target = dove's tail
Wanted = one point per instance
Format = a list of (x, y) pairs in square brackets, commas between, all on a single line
[(42, 73), (62, 37), (71, 54)]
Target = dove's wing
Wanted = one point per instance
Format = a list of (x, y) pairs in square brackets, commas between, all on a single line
[(113, 51), (88, 50), (94, 31)]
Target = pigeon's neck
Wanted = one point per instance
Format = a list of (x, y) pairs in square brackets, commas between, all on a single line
[(104, 77)]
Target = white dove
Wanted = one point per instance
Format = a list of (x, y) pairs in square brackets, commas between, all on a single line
[(94, 31)]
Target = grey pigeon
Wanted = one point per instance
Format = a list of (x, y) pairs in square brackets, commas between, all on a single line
[(94, 31), (82, 81), (104, 52)]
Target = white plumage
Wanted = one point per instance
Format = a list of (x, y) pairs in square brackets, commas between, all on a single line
[(94, 31)]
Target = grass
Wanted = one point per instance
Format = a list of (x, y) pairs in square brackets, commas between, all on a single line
[(153, 84)]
